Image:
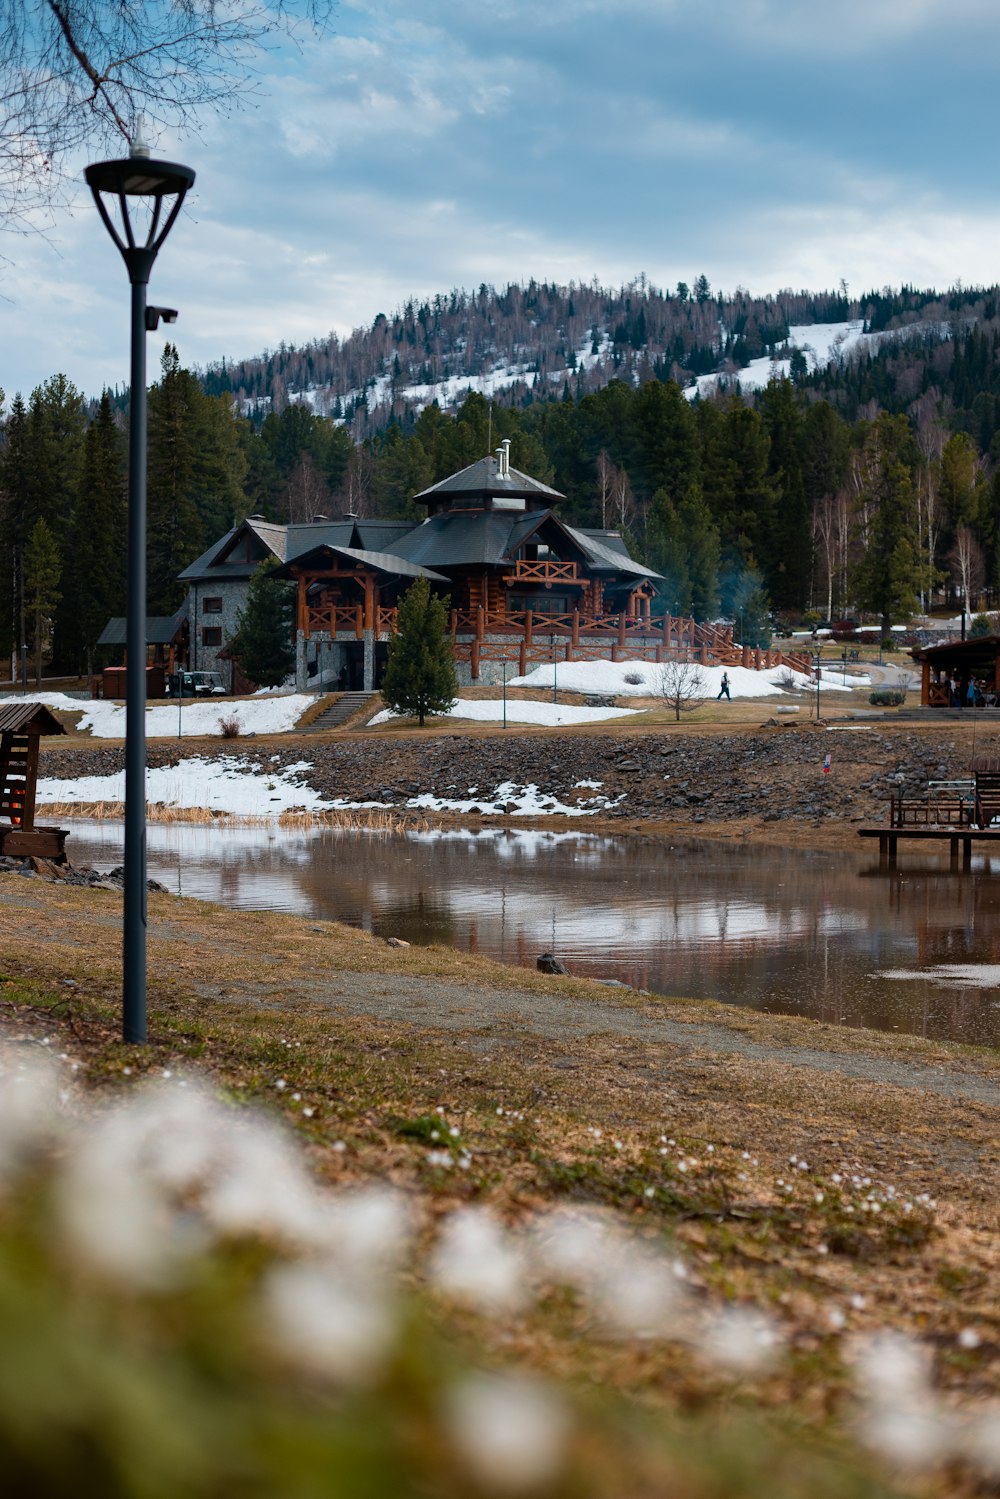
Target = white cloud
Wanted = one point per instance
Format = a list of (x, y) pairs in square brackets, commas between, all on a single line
[(766, 142)]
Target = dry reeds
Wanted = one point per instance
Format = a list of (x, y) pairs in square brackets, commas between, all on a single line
[(361, 819)]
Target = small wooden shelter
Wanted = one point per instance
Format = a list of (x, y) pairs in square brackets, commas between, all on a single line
[(946, 670), (21, 726)]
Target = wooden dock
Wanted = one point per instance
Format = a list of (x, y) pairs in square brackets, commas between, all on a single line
[(958, 811), (955, 837)]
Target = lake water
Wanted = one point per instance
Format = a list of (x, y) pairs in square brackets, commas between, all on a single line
[(804, 934)]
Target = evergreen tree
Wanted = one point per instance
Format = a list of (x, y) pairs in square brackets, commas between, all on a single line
[(94, 583), (263, 639), (788, 553), (174, 531), (420, 674), (42, 571), (888, 575), (683, 544), (665, 439)]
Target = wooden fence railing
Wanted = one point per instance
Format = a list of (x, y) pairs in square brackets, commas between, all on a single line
[(581, 638)]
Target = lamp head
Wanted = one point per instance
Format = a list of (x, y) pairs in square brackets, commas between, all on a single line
[(163, 183)]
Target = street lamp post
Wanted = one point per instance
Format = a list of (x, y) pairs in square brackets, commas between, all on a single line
[(113, 184)]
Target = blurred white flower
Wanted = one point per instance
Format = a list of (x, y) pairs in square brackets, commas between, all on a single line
[(510, 1432), (366, 1231), (326, 1325), (477, 1261), (740, 1338), (901, 1418), (30, 1112), (113, 1217), (631, 1288), (980, 1443)]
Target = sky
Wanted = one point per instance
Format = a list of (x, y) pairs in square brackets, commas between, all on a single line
[(422, 145)]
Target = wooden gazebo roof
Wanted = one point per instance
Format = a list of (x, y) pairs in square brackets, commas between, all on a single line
[(18, 716)]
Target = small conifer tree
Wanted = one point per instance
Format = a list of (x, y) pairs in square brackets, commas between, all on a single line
[(420, 674), (264, 626), (42, 572)]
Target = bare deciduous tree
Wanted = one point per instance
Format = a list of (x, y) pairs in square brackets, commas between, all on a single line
[(605, 482), (78, 73), (966, 565), (681, 685)]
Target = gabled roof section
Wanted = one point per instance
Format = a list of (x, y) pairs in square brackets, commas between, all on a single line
[(18, 717), (605, 558), (161, 629), (218, 562), (484, 478), (384, 562)]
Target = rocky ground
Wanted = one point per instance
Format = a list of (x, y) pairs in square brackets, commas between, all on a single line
[(701, 776)]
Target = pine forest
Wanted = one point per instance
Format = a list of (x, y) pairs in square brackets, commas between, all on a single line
[(760, 472)]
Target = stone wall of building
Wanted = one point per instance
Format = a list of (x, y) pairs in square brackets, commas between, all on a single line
[(233, 597)]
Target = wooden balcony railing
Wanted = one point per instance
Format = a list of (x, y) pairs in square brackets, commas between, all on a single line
[(544, 572)]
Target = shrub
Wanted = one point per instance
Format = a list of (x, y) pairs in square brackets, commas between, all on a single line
[(634, 678), (888, 697), (230, 728)]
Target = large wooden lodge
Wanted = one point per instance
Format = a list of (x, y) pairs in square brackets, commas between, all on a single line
[(524, 587)]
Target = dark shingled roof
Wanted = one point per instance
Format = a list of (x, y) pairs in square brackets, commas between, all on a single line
[(474, 538), (286, 542), (487, 538), (483, 478), (604, 556), (161, 629), (385, 562)]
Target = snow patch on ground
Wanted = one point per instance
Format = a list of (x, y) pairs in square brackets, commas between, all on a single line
[(246, 788), (198, 716), (231, 784), (959, 975), (490, 710), (608, 679), (821, 343)]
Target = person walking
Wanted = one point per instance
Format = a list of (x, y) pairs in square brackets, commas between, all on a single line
[(724, 689)]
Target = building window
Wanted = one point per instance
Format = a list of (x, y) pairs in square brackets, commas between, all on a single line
[(540, 603), (211, 635), (211, 606)]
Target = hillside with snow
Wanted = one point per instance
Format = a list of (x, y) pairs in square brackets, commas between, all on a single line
[(544, 342)]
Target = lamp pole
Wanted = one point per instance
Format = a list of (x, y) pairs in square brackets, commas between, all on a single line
[(156, 182)]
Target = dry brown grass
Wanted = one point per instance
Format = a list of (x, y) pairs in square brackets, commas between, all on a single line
[(252, 997), (374, 819)]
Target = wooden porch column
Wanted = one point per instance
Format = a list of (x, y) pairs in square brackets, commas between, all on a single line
[(480, 628), (474, 656), (621, 628), (522, 659), (369, 602), (746, 656), (302, 609), (359, 622), (646, 610), (527, 627), (925, 683), (453, 622), (576, 628), (667, 622)]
